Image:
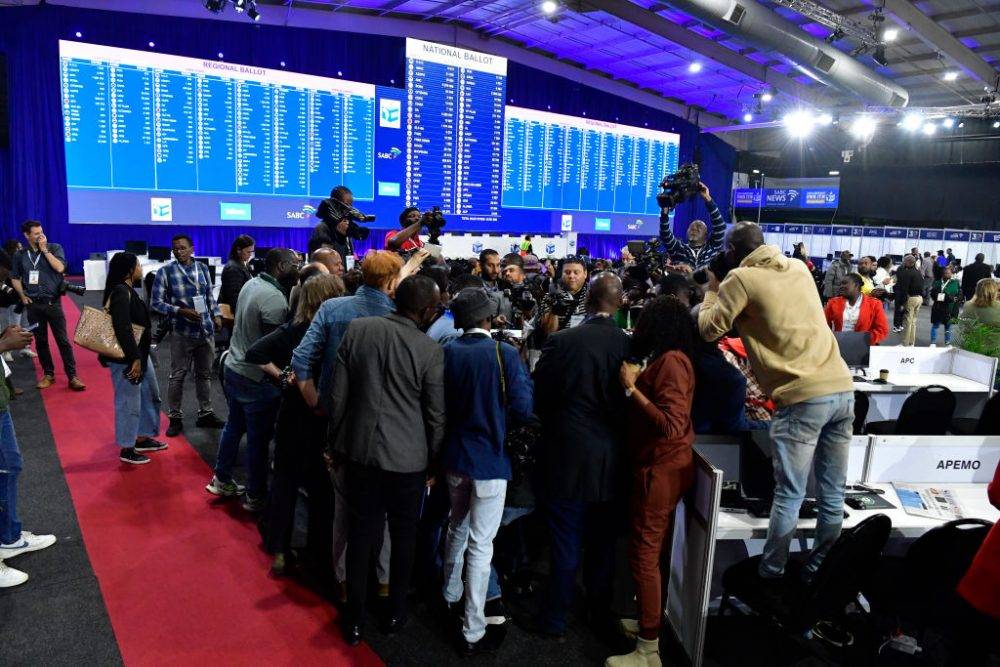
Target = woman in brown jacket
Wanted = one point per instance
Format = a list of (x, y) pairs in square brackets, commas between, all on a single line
[(660, 437)]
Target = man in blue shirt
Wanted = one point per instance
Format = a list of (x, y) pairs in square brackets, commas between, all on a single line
[(485, 382), (183, 291)]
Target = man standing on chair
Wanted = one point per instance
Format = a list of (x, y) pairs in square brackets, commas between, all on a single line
[(37, 276), (182, 291), (772, 302)]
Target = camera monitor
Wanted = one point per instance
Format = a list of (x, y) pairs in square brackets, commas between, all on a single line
[(854, 347), (159, 253), (136, 247)]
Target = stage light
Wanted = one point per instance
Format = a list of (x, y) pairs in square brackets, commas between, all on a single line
[(79, 34), (835, 173), (694, 67), (220, 55), (948, 123), (912, 122), (215, 6), (283, 64), (825, 119), (152, 45), (550, 7), (799, 123), (748, 117), (252, 12), (863, 127), (766, 97), (996, 124), (339, 73), (961, 125), (890, 35), (929, 129), (756, 171), (951, 75), (239, 5)]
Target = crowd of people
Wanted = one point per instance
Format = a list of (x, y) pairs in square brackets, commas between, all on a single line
[(426, 409)]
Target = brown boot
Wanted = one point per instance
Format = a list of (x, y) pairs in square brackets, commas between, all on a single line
[(77, 385), (46, 382)]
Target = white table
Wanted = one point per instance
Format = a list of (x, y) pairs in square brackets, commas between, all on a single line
[(886, 400), (972, 498)]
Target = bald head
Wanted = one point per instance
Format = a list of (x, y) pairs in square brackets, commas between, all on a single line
[(331, 259), (605, 294), (744, 238)]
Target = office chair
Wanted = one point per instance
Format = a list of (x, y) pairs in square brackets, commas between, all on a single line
[(795, 606), (987, 424), (927, 411), (861, 403)]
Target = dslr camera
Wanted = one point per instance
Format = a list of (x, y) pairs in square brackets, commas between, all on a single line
[(434, 221), (65, 287), (679, 186), (560, 303)]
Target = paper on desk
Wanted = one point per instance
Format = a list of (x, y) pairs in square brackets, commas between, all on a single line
[(933, 502)]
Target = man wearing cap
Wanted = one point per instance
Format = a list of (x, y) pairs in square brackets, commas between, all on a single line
[(835, 274), (485, 382)]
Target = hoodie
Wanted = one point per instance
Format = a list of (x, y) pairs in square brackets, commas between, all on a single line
[(772, 301)]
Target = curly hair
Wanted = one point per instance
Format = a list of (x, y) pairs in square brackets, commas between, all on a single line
[(664, 325)]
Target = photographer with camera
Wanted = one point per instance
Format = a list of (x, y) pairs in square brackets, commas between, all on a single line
[(489, 266), (339, 228), (567, 305), (700, 247), (37, 276), (407, 237)]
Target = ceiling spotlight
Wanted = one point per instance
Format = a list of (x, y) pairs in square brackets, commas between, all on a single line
[(283, 64), (961, 125), (950, 75), (834, 173), (948, 123), (890, 35), (929, 129), (996, 124), (825, 119), (748, 117), (756, 171), (252, 12), (766, 97), (79, 34), (694, 67), (239, 5), (912, 122), (550, 7), (863, 127), (152, 45), (215, 6), (220, 54), (799, 123)]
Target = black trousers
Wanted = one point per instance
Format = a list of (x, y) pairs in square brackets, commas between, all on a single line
[(899, 308), (372, 495), (50, 315)]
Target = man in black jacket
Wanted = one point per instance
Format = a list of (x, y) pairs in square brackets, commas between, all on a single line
[(581, 404), (910, 285), (973, 273), (334, 230)]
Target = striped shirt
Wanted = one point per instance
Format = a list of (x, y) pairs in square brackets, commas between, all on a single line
[(682, 253)]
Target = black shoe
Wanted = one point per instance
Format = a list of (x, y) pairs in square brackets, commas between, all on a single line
[(129, 455), (393, 625), (150, 445), (495, 612), (209, 421), (352, 633), (489, 642), (175, 427)]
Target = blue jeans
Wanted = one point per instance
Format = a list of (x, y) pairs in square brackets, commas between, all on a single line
[(10, 468), (137, 406), (253, 407), (947, 333), (815, 433)]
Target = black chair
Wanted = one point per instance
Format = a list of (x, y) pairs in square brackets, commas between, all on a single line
[(861, 404), (795, 606), (927, 411), (987, 424)]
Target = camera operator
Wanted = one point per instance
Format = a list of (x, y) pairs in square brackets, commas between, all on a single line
[(700, 247), (337, 228), (566, 306), (37, 275), (407, 237)]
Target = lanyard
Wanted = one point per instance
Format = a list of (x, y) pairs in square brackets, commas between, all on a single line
[(34, 262), (193, 281)]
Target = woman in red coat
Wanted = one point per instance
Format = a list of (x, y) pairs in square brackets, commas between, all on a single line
[(857, 311)]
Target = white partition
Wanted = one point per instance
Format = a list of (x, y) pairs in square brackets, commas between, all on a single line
[(958, 241), (774, 234), (692, 558), (933, 459), (820, 242), (896, 242), (470, 245), (873, 242)]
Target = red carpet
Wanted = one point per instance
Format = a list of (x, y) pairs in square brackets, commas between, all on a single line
[(183, 577)]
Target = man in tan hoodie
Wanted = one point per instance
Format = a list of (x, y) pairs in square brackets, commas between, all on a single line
[(772, 302)]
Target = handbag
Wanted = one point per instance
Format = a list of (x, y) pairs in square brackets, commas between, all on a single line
[(95, 332)]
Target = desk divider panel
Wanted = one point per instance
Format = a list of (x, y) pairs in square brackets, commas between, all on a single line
[(975, 367), (933, 459), (909, 360)]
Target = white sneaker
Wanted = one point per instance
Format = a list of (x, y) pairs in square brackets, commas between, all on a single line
[(10, 577), (27, 542), (932, 345)]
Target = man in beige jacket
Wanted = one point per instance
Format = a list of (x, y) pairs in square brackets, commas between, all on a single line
[(772, 302)]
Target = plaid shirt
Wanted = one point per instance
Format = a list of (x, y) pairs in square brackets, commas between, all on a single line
[(175, 287)]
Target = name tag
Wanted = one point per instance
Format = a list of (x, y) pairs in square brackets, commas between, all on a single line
[(33, 277), (349, 262), (940, 296), (200, 305), (576, 320)]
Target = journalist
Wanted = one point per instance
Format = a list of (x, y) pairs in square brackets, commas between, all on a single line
[(489, 264), (253, 399), (581, 404), (137, 392), (386, 427), (407, 237), (236, 272), (567, 306), (772, 301), (182, 291), (37, 276), (336, 229), (485, 384), (700, 247)]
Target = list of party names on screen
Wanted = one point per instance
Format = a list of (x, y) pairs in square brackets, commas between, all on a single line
[(558, 162), (146, 121), (455, 111)]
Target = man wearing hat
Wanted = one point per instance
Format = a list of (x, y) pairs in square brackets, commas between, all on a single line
[(485, 382)]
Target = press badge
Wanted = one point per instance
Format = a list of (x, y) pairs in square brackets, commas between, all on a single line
[(576, 320), (940, 296), (199, 304), (33, 277)]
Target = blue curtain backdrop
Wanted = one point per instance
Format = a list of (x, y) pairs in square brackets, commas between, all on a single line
[(32, 168)]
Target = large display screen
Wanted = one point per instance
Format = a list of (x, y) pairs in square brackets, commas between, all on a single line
[(156, 139)]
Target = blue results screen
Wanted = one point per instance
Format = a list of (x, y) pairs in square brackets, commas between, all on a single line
[(152, 138)]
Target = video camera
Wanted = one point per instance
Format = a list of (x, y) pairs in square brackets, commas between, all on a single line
[(679, 186), (333, 211), (434, 221), (560, 303)]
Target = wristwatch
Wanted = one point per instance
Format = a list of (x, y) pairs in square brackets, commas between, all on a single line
[(629, 392)]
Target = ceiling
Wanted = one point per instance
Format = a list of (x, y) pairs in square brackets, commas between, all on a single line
[(944, 35)]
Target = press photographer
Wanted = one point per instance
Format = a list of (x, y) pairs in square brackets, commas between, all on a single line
[(565, 307), (339, 227), (411, 221), (700, 247), (37, 276)]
